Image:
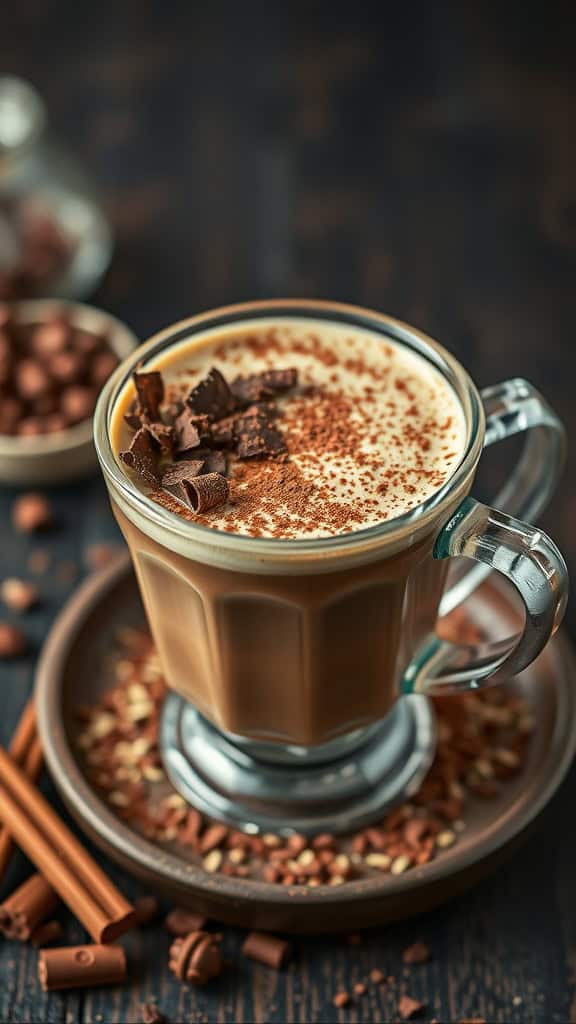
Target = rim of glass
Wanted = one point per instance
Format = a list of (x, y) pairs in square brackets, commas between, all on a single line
[(316, 309)]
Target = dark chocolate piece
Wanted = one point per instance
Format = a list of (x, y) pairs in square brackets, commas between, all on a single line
[(222, 432), (162, 434), (259, 386), (142, 456), (266, 949), (150, 389), (81, 967), (211, 397), (196, 958), (257, 438), (187, 432), (181, 922), (214, 461), (178, 475)]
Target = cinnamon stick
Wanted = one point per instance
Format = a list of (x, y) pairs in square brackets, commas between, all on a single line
[(26, 908), (26, 750), (58, 855)]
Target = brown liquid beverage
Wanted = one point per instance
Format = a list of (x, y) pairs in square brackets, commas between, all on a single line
[(298, 643)]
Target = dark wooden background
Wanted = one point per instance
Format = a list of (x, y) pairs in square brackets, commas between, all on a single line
[(415, 160)]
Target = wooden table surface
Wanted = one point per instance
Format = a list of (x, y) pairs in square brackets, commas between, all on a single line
[(423, 164)]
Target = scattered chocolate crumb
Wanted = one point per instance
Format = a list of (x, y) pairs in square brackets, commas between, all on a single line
[(31, 512), (39, 561), (181, 922), (12, 641), (409, 1007), (266, 949), (418, 953), (360, 988), (151, 1014), (377, 977), (147, 910), (341, 999), (18, 594)]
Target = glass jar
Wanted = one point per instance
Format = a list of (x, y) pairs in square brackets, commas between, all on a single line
[(54, 237)]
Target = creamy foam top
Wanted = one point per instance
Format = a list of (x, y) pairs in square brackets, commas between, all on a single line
[(372, 429)]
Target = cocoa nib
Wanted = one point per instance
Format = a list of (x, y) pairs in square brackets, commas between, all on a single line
[(142, 456), (211, 397), (259, 386), (150, 390)]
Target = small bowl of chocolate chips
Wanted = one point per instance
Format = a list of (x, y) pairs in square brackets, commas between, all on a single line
[(54, 358)]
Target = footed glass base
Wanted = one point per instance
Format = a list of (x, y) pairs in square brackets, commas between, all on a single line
[(266, 787)]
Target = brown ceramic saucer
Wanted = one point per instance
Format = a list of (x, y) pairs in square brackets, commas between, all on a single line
[(75, 668)]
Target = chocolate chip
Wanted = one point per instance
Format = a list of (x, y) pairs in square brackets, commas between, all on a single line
[(258, 386), (103, 364), (177, 476), (31, 380), (211, 397), (142, 456), (150, 390), (77, 403)]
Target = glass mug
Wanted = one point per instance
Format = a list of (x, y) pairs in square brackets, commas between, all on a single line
[(286, 659)]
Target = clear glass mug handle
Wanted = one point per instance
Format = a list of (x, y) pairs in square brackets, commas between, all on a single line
[(495, 540)]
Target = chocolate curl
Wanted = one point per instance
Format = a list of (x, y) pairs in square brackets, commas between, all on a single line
[(26, 908), (81, 967), (266, 949), (196, 958), (207, 492)]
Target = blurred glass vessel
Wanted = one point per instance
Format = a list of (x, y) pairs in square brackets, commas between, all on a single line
[(54, 237)]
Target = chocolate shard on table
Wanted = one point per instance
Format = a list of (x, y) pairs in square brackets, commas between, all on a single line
[(150, 389), (211, 396), (259, 386), (142, 456)]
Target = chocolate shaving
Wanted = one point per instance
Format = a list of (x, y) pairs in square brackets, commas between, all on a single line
[(150, 390), (142, 456), (211, 397), (178, 475), (207, 492), (258, 386)]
